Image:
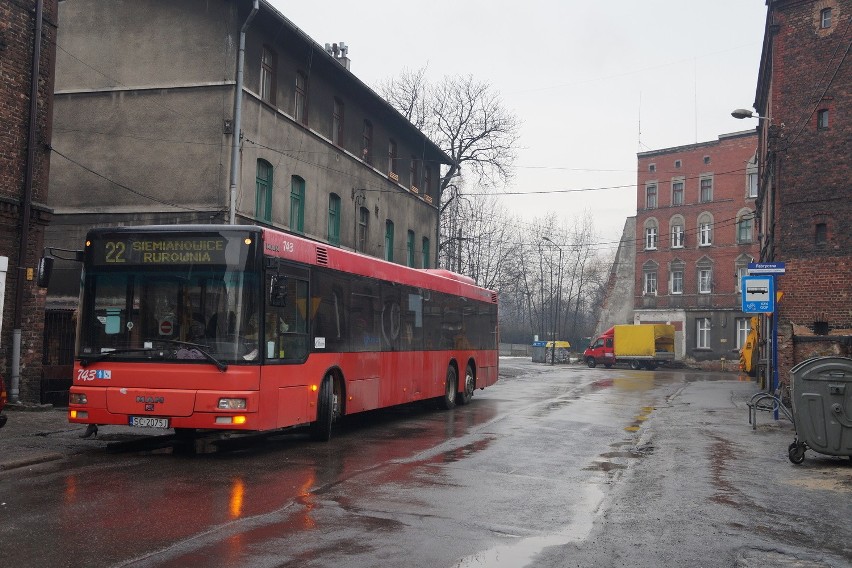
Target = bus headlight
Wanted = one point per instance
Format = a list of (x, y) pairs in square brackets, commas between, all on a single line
[(232, 404), (78, 398)]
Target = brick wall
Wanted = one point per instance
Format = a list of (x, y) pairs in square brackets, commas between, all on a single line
[(813, 222), (726, 161), (17, 32)]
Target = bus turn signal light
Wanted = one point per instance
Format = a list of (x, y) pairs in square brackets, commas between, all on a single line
[(232, 404), (230, 420), (78, 414)]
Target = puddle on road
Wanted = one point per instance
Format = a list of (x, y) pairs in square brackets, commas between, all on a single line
[(522, 552)]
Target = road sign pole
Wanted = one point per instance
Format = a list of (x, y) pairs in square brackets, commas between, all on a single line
[(775, 346)]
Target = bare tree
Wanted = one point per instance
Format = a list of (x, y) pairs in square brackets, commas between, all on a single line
[(466, 118)]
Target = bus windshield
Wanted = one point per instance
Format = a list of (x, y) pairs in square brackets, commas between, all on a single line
[(154, 311)]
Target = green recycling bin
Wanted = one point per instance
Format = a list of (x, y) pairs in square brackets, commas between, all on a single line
[(821, 390)]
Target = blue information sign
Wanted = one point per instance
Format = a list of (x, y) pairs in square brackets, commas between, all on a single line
[(766, 268), (758, 294)]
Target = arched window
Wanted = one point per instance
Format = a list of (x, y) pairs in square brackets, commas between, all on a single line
[(651, 232), (677, 231), (705, 230), (745, 224), (263, 191)]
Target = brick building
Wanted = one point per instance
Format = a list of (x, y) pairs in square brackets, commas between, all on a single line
[(694, 238), (27, 49), (804, 93)]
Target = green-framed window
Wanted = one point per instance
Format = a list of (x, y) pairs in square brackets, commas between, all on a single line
[(426, 252), (297, 204), (409, 249), (389, 240), (334, 219), (263, 195)]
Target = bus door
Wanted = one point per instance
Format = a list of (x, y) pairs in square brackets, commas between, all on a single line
[(285, 342)]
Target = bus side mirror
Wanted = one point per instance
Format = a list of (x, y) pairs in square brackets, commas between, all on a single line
[(45, 267), (278, 291)]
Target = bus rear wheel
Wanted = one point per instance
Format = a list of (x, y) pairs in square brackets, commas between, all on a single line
[(321, 429), (448, 401), (469, 386)]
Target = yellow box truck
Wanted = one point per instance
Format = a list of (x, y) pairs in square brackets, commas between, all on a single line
[(642, 345)]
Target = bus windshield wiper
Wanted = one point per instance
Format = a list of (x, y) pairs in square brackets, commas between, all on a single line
[(201, 349), (86, 360)]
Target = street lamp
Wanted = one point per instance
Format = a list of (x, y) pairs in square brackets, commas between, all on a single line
[(745, 113), (558, 299)]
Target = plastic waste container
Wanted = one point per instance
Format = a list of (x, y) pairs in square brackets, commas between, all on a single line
[(821, 392)]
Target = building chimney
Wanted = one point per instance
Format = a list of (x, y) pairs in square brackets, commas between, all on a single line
[(340, 52)]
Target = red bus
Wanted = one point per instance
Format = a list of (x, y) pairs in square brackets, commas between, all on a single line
[(245, 328)]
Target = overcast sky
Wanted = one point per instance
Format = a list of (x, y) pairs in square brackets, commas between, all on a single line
[(582, 77)]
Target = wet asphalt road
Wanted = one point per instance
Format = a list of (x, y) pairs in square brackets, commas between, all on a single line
[(526, 468)]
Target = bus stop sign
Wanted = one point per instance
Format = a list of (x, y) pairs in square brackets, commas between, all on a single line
[(758, 294)]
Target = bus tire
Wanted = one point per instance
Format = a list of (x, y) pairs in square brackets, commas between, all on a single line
[(465, 396), (321, 429), (635, 365), (448, 401), (591, 362)]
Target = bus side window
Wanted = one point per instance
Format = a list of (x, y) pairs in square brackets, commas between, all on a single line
[(286, 325)]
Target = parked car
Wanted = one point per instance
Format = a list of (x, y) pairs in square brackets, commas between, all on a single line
[(2, 402)]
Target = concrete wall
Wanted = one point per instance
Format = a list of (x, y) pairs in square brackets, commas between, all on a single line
[(618, 302), (144, 111)]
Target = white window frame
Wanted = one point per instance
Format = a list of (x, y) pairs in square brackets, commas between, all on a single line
[(751, 183), (743, 329), (705, 280), (676, 281), (741, 271), (702, 333), (651, 237), (705, 234), (825, 18), (677, 236), (649, 285)]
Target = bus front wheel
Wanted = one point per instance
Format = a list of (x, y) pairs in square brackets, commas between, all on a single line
[(321, 429), (448, 401), (469, 386)]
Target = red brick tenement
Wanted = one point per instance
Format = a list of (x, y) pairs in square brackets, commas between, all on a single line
[(805, 205), (695, 235), (17, 33)]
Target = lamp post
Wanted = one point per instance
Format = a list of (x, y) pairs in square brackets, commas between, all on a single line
[(558, 298), (745, 113)]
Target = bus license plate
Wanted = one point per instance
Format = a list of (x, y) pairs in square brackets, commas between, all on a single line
[(148, 422)]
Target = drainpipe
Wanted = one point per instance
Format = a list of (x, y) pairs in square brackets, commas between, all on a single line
[(238, 113), (15, 387)]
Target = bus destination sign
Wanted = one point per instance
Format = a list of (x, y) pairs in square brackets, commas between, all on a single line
[(159, 250)]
